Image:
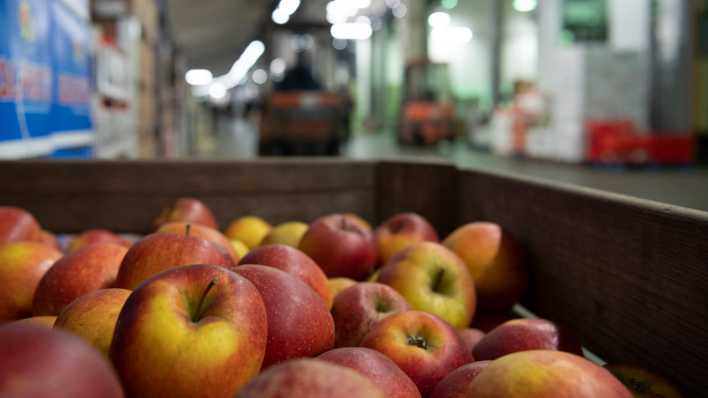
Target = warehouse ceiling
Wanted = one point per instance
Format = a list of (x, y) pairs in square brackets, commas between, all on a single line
[(213, 33)]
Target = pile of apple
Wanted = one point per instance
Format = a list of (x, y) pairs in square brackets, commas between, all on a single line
[(331, 309)]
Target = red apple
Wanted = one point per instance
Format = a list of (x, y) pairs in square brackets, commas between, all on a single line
[(22, 266), (93, 316), (401, 231), (495, 261), (523, 335), (455, 384), (643, 383), (545, 374), (162, 251), (376, 367), (49, 239), (96, 236), (424, 346), (299, 322), (18, 225), (196, 331), (91, 268), (433, 279), (310, 378), (341, 245), (470, 338), (38, 362), (294, 262), (188, 210), (46, 321), (200, 231), (359, 308)]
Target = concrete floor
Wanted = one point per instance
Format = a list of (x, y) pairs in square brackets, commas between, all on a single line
[(687, 187)]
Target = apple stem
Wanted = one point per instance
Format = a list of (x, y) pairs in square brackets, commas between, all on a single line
[(437, 280), (187, 229), (198, 312), (418, 341)]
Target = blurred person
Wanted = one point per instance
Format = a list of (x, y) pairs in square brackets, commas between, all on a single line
[(300, 77)]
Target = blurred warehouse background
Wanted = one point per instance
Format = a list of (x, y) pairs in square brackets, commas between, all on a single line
[(601, 82)]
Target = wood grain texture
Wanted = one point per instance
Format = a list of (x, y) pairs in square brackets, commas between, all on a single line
[(629, 276), (69, 197), (429, 189)]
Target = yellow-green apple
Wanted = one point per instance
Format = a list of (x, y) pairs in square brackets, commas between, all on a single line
[(470, 338), (401, 231), (359, 308), (545, 374), (495, 261), (162, 251), (194, 331), (188, 210), (524, 335), (433, 279), (36, 361), (487, 321), (93, 316), (240, 247), (299, 322), (455, 384), (93, 236), (250, 230), (200, 231), (49, 239), (18, 225), (294, 262), (342, 245), (424, 346), (91, 268), (643, 383), (338, 285), (376, 367), (46, 321), (289, 234), (311, 378), (22, 266)]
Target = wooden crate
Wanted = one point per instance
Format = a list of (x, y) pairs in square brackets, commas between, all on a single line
[(629, 276)]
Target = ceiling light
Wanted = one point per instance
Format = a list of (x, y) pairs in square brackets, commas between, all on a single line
[(243, 64), (199, 77), (525, 5), (259, 76), (351, 31), (439, 19), (280, 17), (217, 91), (453, 34)]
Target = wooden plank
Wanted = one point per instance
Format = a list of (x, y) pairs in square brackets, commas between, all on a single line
[(629, 276), (429, 189), (70, 197)]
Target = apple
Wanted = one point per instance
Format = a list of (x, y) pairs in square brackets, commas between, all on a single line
[(294, 262), (424, 346), (240, 248), (376, 367), (18, 225), (36, 362), (93, 316), (359, 308), (96, 236), (162, 251), (454, 385), (433, 279), (524, 335), (22, 266), (195, 331), (289, 234), (311, 378), (46, 321), (548, 374), (470, 338), (643, 383), (299, 322), (341, 245), (338, 285), (188, 210), (250, 230), (91, 268), (200, 231), (49, 239), (401, 231), (495, 261)]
